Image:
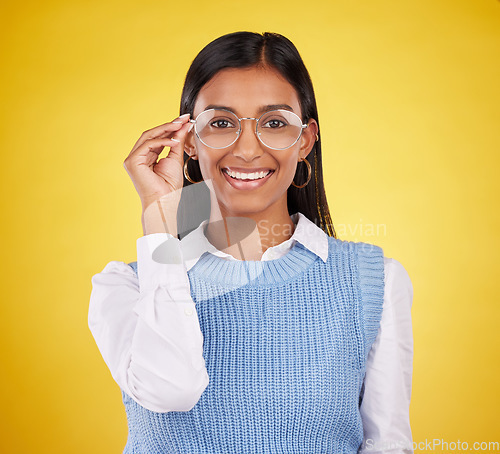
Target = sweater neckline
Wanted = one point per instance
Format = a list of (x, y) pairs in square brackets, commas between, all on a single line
[(235, 273)]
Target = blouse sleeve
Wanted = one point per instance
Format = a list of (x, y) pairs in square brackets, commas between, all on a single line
[(147, 329), (385, 402)]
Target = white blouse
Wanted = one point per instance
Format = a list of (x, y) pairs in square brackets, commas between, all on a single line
[(148, 333)]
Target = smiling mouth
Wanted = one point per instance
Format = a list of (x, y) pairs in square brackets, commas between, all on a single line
[(251, 176)]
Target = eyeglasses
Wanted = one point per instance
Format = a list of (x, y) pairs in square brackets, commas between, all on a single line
[(221, 128)]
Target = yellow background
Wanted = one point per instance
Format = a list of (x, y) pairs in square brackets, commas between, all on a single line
[(409, 101)]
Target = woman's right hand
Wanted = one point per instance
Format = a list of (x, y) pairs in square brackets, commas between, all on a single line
[(155, 178)]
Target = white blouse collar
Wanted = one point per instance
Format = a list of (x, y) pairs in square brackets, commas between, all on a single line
[(195, 244)]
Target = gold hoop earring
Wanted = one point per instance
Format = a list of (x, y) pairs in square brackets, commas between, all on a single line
[(308, 174), (186, 172)]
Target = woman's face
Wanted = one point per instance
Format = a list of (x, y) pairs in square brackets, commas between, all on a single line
[(249, 92)]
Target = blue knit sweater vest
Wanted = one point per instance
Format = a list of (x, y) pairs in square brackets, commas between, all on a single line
[(285, 346)]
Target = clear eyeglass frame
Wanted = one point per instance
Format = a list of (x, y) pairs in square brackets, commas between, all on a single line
[(238, 133)]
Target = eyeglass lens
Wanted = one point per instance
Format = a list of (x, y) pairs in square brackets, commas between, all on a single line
[(278, 129)]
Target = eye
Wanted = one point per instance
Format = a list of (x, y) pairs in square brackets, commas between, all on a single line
[(221, 123), (274, 120), (274, 123)]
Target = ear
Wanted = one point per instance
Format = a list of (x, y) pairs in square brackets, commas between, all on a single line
[(308, 138), (190, 146)]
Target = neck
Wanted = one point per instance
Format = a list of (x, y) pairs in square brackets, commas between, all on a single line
[(247, 236)]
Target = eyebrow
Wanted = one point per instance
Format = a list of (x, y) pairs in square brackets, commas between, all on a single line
[(261, 110)]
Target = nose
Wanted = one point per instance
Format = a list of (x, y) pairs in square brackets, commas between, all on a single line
[(248, 146)]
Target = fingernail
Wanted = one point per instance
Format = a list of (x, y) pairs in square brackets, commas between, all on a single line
[(181, 118), (175, 140), (190, 127)]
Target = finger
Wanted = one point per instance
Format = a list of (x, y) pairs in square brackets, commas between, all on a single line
[(149, 151), (167, 127), (163, 130), (177, 150)]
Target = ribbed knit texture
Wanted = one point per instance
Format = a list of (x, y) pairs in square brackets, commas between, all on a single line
[(285, 346)]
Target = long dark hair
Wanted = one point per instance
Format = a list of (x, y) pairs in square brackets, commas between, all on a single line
[(246, 49)]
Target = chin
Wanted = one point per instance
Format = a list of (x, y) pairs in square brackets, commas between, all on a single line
[(245, 209)]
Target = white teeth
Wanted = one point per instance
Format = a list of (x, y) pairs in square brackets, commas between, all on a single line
[(247, 176)]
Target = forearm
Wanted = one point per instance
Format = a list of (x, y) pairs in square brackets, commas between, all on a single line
[(147, 330)]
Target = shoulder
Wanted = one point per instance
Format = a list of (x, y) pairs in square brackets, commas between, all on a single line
[(395, 269), (398, 285), (116, 272), (372, 262), (364, 261), (337, 244)]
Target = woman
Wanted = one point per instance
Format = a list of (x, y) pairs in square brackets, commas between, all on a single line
[(259, 331)]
